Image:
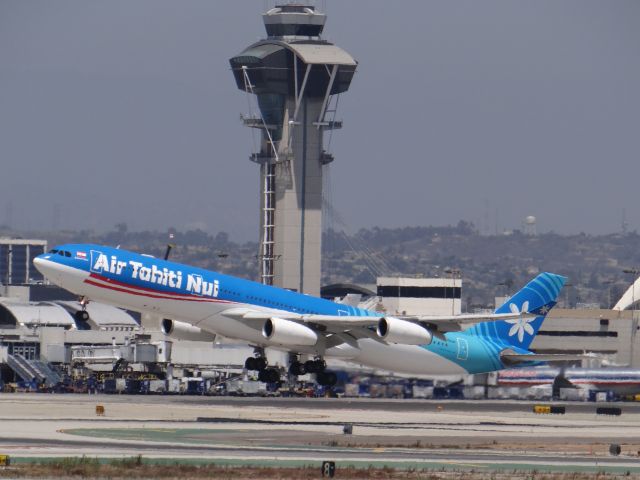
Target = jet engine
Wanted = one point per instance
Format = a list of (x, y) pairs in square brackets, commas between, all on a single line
[(286, 332), (184, 331), (394, 330)]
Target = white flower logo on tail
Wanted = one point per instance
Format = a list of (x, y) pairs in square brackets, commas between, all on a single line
[(520, 325)]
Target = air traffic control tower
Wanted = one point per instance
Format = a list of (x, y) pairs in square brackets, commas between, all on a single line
[(296, 77)]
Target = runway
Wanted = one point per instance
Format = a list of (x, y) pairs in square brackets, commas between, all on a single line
[(255, 431)]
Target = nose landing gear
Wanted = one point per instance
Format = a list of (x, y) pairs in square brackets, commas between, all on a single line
[(82, 315)]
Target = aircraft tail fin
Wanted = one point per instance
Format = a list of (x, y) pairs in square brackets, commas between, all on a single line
[(537, 297)]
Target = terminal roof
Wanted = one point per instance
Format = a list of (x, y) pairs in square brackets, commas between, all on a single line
[(39, 313)]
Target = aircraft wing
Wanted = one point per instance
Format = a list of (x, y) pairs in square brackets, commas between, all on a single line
[(510, 358), (468, 318), (454, 323), (334, 323), (336, 329), (339, 323)]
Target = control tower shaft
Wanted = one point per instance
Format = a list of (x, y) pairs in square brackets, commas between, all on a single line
[(294, 74)]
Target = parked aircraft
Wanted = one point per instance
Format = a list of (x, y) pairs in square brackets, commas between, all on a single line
[(630, 297), (266, 316), (618, 380)]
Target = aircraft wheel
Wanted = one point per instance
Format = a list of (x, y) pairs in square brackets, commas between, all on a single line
[(311, 366), (315, 366), (327, 379), (261, 363), (297, 368), (250, 363), (269, 375), (330, 378), (82, 315), (273, 375)]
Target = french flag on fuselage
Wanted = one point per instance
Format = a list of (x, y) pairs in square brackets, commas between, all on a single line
[(81, 255)]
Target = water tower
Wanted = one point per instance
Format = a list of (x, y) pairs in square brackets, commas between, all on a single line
[(296, 77), (530, 225)]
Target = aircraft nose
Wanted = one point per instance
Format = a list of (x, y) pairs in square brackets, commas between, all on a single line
[(45, 266), (39, 261)]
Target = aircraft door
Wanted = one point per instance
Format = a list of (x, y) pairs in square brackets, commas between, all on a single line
[(463, 349)]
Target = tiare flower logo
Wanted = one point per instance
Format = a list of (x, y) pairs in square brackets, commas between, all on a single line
[(520, 325)]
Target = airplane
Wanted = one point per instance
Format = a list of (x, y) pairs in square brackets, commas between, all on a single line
[(630, 297), (623, 381), (266, 316)]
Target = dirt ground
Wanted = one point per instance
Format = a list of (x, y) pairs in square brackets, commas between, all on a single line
[(132, 469)]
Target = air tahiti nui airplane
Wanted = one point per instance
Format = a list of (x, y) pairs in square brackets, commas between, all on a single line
[(265, 316)]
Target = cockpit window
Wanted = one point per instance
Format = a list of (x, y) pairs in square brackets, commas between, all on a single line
[(54, 251), (67, 254), (61, 253)]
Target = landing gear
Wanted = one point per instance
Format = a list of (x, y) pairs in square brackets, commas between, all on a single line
[(82, 315), (269, 375), (317, 366), (260, 364), (255, 363), (326, 379), (296, 367)]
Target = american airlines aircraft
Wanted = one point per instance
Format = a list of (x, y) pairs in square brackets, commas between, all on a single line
[(265, 316)]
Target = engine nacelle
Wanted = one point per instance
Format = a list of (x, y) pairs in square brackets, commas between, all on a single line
[(394, 330), (184, 331), (286, 332)]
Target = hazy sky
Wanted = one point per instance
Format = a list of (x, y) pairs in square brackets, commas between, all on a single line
[(126, 110)]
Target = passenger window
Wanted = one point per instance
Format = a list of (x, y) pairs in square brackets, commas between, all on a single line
[(67, 254), (61, 253)]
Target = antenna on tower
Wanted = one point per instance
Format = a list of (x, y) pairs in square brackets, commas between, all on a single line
[(625, 225)]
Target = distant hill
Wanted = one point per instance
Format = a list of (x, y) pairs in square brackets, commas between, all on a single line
[(489, 265)]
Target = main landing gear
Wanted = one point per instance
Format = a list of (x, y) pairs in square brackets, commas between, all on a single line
[(317, 366), (259, 363), (271, 375)]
